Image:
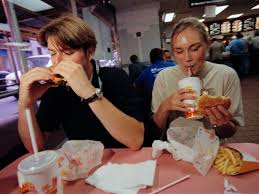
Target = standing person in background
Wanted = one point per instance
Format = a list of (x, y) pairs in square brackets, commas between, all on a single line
[(239, 54), (167, 56), (255, 51), (190, 42), (78, 106), (144, 83), (135, 68), (216, 49)]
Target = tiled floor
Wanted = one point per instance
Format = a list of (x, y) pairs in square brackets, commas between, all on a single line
[(250, 91)]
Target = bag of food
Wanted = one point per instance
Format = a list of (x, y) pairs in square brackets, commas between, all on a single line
[(199, 146), (78, 157)]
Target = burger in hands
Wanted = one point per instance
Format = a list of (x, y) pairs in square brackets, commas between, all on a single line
[(57, 79), (206, 101)]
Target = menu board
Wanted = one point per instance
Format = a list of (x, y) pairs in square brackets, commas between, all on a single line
[(225, 27), (257, 23), (232, 26), (214, 29), (249, 24), (237, 26)]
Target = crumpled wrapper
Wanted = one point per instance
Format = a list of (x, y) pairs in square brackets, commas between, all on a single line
[(78, 157), (197, 146), (206, 145), (229, 188)]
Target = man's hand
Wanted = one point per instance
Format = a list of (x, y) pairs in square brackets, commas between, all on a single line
[(75, 76), (30, 88)]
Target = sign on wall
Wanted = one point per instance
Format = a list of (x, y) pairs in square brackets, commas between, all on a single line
[(257, 23), (194, 3), (235, 25)]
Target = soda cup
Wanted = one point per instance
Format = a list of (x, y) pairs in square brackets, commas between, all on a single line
[(40, 176), (193, 83)]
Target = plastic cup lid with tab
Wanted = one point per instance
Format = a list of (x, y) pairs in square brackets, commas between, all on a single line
[(30, 165)]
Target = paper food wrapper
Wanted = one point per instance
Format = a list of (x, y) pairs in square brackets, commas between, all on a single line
[(249, 163), (249, 166), (206, 145), (78, 157), (197, 146)]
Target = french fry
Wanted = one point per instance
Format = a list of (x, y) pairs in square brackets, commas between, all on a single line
[(225, 166), (220, 160), (228, 151), (228, 161)]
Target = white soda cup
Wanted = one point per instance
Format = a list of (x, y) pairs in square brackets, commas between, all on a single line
[(193, 83), (40, 176)]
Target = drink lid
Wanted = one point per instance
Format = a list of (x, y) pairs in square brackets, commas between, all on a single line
[(30, 165)]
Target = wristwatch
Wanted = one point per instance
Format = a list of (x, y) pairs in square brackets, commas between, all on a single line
[(98, 94), (225, 130)]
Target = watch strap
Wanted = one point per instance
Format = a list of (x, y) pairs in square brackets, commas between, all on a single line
[(97, 95)]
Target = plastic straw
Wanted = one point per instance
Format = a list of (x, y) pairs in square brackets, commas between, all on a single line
[(170, 184), (32, 135), (189, 72)]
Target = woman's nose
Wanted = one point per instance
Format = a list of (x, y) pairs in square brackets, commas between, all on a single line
[(187, 56)]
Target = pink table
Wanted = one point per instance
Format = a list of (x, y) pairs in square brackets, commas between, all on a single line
[(166, 171)]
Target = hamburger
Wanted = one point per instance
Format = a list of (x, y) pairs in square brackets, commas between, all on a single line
[(206, 101), (57, 79)]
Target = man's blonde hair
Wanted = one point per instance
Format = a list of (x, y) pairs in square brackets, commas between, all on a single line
[(68, 31)]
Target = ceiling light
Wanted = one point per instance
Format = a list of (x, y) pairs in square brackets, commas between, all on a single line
[(219, 9), (35, 5), (168, 17), (201, 20), (234, 16), (255, 7), (17, 44)]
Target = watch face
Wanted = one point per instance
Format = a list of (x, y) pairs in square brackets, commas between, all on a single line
[(97, 95), (98, 92)]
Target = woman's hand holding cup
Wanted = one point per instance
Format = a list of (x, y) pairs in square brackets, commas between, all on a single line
[(194, 84), (177, 101)]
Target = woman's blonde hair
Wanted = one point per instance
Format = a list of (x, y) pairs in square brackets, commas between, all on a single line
[(68, 31), (190, 22)]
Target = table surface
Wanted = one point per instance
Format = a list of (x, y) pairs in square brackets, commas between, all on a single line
[(167, 170)]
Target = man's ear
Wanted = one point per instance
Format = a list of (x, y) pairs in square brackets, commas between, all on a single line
[(90, 52)]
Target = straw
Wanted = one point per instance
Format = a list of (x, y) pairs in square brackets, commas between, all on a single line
[(32, 135), (170, 184), (189, 71)]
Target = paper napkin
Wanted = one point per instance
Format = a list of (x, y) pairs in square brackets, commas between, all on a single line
[(123, 178)]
